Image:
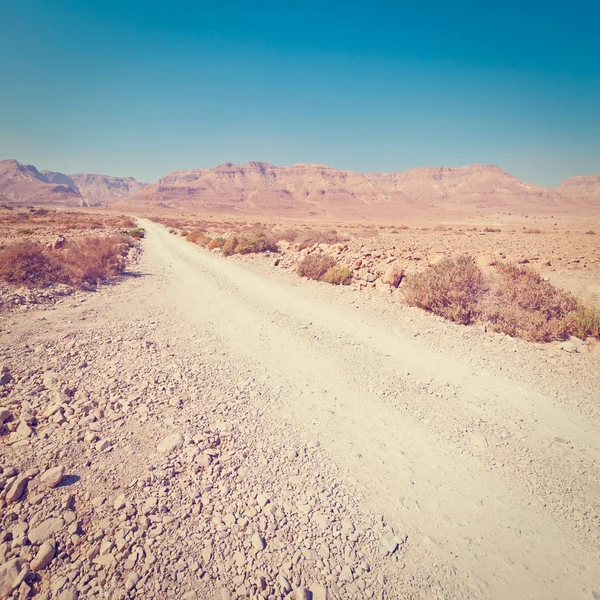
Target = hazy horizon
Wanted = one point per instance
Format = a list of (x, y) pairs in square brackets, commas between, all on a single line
[(141, 90)]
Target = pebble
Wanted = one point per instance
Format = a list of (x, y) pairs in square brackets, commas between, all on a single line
[(44, 556), (52, 477)]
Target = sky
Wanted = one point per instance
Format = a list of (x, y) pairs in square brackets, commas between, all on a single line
[(146, 88)]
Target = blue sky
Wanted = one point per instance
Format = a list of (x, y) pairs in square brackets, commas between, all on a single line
[(144, 88)]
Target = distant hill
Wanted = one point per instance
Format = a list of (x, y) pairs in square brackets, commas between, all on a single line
[(314, 189), (95, 189), (586, 188), (301, 190), (24, 184)]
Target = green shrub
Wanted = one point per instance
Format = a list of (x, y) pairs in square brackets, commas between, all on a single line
[(137, 233)]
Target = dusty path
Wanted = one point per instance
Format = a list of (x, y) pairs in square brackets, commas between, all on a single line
[(487, 469)]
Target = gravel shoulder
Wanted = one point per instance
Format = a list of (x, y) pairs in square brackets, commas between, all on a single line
[(329, 441)]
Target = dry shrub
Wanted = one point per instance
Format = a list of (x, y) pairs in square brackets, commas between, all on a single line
[(590, 232), (311, 238), (588, 322), (88, 260), (314, 266), (532, 230), (491, 230), (197, 236), (338, 276), (450, 289), (521, 304), (255, 242), (217, 242)]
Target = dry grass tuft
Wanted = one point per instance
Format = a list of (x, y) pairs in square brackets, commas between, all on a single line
[(311, 238), (450, 289), (217, 242), (85, 261)]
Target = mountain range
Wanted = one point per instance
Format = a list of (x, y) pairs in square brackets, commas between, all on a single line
[(302, 189)]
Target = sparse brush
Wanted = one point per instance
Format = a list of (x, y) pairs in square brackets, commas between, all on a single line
[(217, 242), (521, 304), (338, 276), (590, 232), (314, 266), (255, 242), (450, 289), (89, 260), (198, 237), (137, 233), (491, 230), (588, 322), (287, 235)]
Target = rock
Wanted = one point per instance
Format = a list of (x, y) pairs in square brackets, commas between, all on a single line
[(8, 574), (44, 556), (69, 593), (393, 275), (318, 592), (258, 542), (131, 581), (119, 502), (46, 530), (171, 443), (59, 242), (52, 477), (346, 574), (103, 446), (262, 500), (17, 488), (6, 377), (479, 441), (299, 594), (389, 544), (5, 415)]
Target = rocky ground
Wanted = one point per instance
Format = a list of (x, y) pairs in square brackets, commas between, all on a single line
[(207, 429)]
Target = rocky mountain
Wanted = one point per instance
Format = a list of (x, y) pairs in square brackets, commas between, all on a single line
[(583, 187), (24, 184), (97, 189), (314, 189)]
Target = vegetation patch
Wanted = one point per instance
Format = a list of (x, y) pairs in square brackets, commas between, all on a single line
[(252, 243), (451, 289), (514, 300), (86, 261)]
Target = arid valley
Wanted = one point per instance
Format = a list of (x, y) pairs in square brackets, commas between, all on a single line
[(261, 382)]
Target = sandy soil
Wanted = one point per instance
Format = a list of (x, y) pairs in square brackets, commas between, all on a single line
[(432, 460)]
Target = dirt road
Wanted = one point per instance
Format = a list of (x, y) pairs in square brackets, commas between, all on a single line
[(470, 461)]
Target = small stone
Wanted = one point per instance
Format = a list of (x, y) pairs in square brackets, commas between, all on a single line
[(131, 581), (17, 488), (318, 592), (69, 593), (46, 530), (389, 544), (346, 574), (52, 477), (119, 502), (262, 500), (8, 573), (300, 594), (44, 556), (103, 446), (258, 542), (171, 443)]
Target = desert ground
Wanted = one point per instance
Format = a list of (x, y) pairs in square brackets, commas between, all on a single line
[(204, 426)]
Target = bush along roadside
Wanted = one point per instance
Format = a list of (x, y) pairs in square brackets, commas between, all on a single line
[(514, 300)]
